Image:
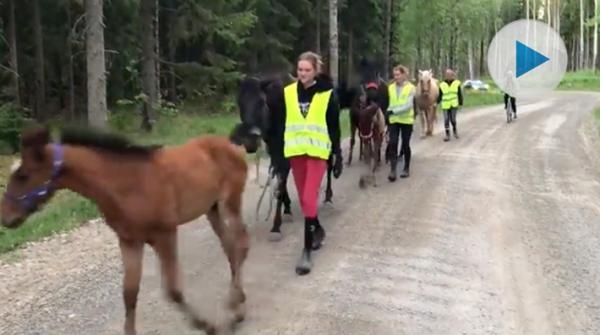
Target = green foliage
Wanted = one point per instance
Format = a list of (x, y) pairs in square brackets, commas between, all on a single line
[(581, 80), (12, 121)]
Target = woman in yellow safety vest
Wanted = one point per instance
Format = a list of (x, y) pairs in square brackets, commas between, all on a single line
[(401, 117), (451, 98), (311, 133)]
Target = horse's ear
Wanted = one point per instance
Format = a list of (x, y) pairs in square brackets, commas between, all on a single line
[(33, 141), (264, 83), (35, 137)]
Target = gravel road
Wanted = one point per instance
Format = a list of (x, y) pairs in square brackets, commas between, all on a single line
[(494, 233)]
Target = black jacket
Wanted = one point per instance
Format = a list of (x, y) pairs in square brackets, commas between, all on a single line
[(277, 127)]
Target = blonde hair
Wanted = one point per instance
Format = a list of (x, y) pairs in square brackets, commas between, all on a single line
[(314, 58), (402, 69)]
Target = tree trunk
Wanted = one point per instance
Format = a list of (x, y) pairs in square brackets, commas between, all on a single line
[(12, 44), (388, 37), (70, 72), (349, 75), (419, 55), (595, 51), (171, 43), (96, 67), (333, 42), (471, 62), (452, 49), (149, 57), (40, 82), (482, 59), (157, 47), (581, 35), (319, 18)]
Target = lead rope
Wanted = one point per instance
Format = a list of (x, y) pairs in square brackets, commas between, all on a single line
[(267, 186)]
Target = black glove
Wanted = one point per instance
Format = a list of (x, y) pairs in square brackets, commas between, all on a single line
[(338, 165)]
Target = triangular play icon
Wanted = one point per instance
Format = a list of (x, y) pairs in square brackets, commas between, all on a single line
[(528, 59)]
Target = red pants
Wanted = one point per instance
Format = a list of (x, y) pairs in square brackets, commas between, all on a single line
[(308, 173)]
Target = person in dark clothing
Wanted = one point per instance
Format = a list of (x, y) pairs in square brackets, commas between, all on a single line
[(308, 132), (450, 97), (513, 104)]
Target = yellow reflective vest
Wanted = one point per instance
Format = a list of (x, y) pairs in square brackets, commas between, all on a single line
[(449, 94), (408, 117), (306, 135)]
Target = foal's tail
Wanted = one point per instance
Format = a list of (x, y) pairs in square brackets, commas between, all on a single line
[(246, 136)]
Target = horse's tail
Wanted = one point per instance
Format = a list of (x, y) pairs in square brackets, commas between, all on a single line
[(246, 136)]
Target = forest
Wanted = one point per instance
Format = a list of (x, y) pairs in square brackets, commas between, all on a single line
[(83, 60)]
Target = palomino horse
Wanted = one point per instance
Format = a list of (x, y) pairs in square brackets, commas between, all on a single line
[(426, 98), (260, 102), (371, 130), (144, 194)]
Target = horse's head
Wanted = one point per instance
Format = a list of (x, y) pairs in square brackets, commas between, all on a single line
[(425, 78), (32, 178), (254, 112), (366, 116)]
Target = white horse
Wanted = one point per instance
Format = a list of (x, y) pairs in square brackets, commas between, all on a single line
[(426, 101)]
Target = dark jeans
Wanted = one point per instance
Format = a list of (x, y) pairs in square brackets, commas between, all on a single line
[(450, 117), (397, 131), (513, 102)]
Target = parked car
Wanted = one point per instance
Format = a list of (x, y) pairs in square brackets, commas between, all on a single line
[(475, 84)]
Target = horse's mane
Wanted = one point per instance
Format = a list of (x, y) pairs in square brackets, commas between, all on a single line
[(100, 139)]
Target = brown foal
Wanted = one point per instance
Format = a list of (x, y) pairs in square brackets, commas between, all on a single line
[(144, 194)]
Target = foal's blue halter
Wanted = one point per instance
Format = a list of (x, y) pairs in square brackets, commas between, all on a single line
[(29, 200)]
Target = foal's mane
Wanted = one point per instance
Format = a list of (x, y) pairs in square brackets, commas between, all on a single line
[(104, 140)]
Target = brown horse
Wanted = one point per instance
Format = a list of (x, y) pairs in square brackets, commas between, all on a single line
[(371, 130), (144, 194), (426, 99), (371, 90)]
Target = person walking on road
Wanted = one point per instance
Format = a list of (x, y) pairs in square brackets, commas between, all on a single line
[(451, 99), (310, 133), (401, 118)]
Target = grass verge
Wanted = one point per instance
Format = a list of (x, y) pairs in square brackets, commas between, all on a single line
[(581, 81)]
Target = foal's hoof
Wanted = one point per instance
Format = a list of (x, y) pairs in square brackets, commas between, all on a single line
[(275, 236), (392, 177), (362, 183), (287, 218), (304, 263), (239, 314), (204, 325)]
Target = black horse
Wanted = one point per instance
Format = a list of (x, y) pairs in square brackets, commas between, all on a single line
[(258, 100), (355, 96)]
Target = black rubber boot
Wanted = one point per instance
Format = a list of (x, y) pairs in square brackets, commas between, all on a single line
[(304, 264), (447, 138), (392, 177), (318, 234)]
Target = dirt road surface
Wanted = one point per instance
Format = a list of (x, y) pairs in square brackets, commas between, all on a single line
[(494, 233)]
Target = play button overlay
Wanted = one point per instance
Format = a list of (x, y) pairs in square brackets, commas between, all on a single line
[(527, 57)]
